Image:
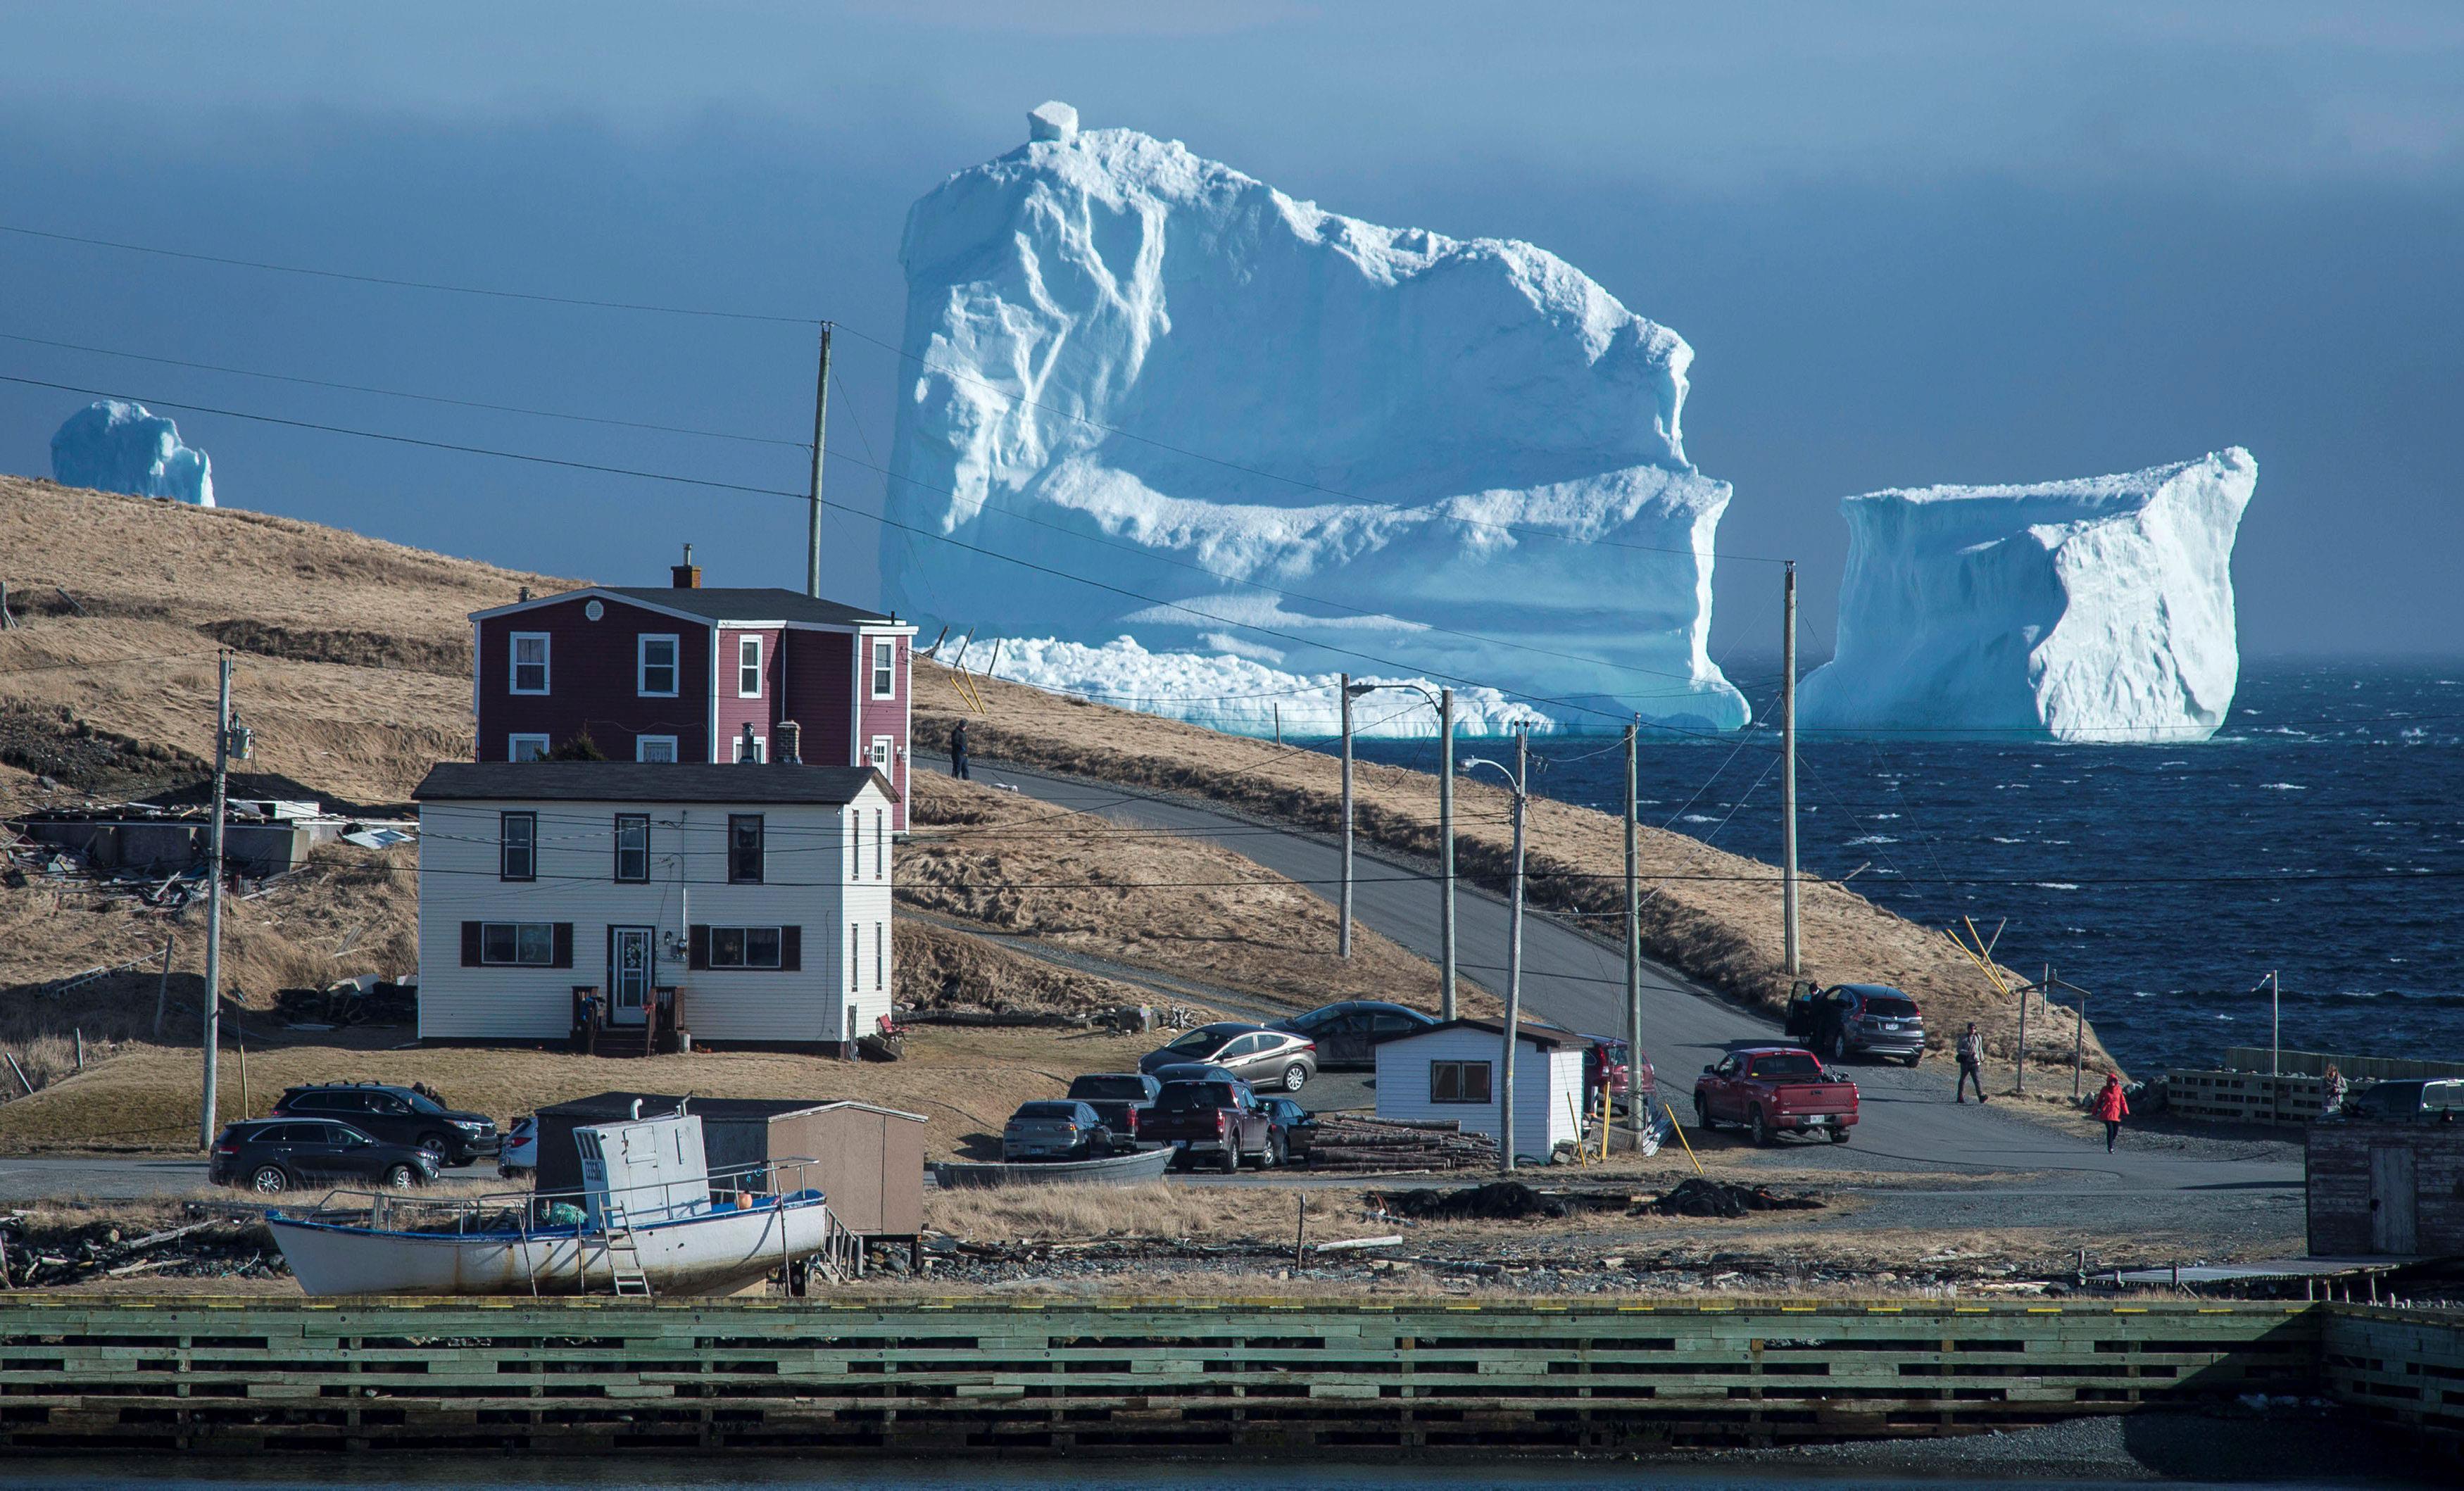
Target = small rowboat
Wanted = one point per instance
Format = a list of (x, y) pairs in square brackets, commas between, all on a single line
[(1119, 1170)]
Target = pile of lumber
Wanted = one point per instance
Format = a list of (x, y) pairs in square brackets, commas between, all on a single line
[(1354, 1141)]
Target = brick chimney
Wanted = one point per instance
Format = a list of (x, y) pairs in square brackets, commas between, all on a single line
[(686, 576), (787, 740)]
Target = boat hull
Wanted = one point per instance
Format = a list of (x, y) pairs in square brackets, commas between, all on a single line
[(1120, 1170), (713, 1253)]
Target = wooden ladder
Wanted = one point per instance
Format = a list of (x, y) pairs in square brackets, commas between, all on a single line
[(625, 1262)]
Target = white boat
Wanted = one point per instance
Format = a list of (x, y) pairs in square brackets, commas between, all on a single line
[(645, 1222)]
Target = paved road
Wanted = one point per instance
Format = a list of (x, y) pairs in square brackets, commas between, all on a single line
[(1907, 1118), (124, 1177)]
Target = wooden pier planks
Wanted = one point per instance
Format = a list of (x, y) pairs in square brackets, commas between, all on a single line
[(243, 1377)]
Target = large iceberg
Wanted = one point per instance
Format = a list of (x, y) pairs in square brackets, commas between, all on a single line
[(1228, 692), (1267, 430), (114, 445), (2099, 609)]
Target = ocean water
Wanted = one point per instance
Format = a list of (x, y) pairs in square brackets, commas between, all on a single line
[(2319, 835)]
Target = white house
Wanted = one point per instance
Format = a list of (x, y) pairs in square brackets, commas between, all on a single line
[(1450, 1071), (759, 892)]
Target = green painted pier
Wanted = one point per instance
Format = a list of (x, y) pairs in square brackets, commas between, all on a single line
[(1148, 1376)]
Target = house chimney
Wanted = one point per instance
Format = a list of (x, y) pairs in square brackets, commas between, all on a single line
[(788, 737), (686, 576), (746, 751), (525, 595)]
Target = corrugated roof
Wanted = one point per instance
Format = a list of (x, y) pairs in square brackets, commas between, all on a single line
[(644, 781), (749, 603)]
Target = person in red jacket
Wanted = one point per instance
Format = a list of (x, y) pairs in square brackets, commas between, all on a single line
[(2112, 1107)]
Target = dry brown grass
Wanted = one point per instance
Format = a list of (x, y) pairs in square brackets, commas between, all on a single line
[(1712, 915), (1176, 905), (963, 1082), (1082, 1213)]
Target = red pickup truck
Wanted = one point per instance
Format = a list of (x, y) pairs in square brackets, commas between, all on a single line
[(1775, 1089), (1221, 1120)]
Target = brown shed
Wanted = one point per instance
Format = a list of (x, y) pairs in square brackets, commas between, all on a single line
[(2386, 1190), (868, 1160)]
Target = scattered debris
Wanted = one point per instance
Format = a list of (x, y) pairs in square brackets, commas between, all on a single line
[(364, 1000), (1499, 1200), (1698, 1197), (1356, 1141), (49, 1251), (1392, 1240)]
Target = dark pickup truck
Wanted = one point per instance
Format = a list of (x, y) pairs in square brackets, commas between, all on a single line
[(1122, 1099), (1221, 1120)]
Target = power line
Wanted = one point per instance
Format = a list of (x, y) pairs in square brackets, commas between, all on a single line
[(411, 284), (397, 393)]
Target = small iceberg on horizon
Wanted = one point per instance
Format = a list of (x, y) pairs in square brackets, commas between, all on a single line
[(115, 445)]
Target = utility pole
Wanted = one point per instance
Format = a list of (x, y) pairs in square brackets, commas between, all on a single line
[(1343, 909), (2078, 1038), (215, 901), (1788, 769), (1514, 956), (821, 423), (1635, 1116), (1446, 854), (2274, 1026)]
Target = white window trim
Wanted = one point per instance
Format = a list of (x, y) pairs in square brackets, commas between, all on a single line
[(513, 745), (755, 643), (642, 664), (639, 741), (514, 666), (872, 649), (761, 748)]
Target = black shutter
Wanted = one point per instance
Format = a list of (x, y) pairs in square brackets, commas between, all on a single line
[(563, 958), (791, 949), (470, 944), (697, 946)]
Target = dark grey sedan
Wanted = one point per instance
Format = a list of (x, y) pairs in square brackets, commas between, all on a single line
[(1348, 1034), (1055, 1130), (1258, 1055)]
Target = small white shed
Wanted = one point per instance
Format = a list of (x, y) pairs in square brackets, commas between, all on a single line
[(1450, 1071)]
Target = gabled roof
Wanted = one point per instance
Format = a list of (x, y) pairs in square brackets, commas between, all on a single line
[(607, 1106), (645, 782), (1547, 1038), (739, 606)]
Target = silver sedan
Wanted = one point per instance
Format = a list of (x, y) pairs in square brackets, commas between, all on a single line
[(1262, 1057)]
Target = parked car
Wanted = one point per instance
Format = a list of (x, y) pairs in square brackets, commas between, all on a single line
[(520, 1156), (1294, 1124), (1347, 1034), (1120, 1101), (1221, 1120), (1774, 1090), (1256, 1054), (1055, 1130), (276, 1154), (397, 1116), (1852, 1019), (1192, 1071), (1609, 1061), (2409, 1100)]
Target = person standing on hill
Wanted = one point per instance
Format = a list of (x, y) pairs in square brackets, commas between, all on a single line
[(1971, 1063), (2112, 1107), (958, 750)]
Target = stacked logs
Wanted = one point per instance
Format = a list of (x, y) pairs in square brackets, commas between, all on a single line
[(1352, 1141)]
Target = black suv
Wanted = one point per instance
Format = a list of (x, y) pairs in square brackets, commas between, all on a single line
[(276, 1154), (397, 1116)]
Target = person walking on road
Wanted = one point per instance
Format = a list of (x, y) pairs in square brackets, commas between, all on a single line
[(2112, 1107), (958, 750), (1971, 1063)]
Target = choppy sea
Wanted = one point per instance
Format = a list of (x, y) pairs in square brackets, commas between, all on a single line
[(2319, 835)]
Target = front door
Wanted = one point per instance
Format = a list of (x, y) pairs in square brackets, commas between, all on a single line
[(2393, 1219), (630, 966)]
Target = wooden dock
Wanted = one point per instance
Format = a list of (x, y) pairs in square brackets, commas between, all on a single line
[(246, 1376)]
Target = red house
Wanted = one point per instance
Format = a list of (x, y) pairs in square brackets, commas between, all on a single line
[(691, 674)]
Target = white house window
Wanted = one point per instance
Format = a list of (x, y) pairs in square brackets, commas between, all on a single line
[(880, 847), (855, 957), (530, 663), (744, 947), (655, 667), (654, 748), (526, 748), (744, 848), (518, 944), (878, 956), (748, 668), (885, 669), (518, 845), (1459, 1082), (755, 749), (633, 848)]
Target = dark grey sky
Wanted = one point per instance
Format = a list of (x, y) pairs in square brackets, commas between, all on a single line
[(1909, 242)]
